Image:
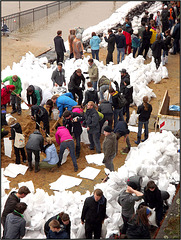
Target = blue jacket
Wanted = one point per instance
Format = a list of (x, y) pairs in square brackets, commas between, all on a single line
[(65, 101), (135, 41), (51, 155), (120, 41), (57, 235), (94, 42)]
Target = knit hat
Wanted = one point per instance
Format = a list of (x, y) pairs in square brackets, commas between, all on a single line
[(78, 35), (131, 184), (108, 129), (11, 121)]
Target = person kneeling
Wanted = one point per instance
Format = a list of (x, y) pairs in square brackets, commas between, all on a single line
[(56, 232)]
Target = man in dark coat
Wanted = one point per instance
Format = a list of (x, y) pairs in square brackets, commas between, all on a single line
[(93, 214), (157, 47), (107, 110), (111, 45), (128, 94), (59, 47), (124, 76), (176, 36), (93, 127), (74, 85), (34, 145), (90, 94), (121, 45), (41, 115), (72, 121), (58, 76), (164, 18), (12, 200), (145, 42)]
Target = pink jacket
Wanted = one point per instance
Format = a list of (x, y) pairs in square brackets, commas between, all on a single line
[(77, 110), (62, 134)]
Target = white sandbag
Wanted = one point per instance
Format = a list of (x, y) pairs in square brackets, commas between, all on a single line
[(81, 231), (55, 114), (84, 136), (27, 218), (7, 147), (89, 173), (152, 218), (65, 155), (95, 158), (133, 118), (164, 72), (104, 231)]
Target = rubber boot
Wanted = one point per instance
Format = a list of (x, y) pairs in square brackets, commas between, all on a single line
[(30, 167), (37, 169)]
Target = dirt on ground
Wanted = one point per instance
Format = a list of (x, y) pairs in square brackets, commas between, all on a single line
[(12, 51)]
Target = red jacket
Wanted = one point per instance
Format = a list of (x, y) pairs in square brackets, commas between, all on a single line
[(128, 37), (6, 93)]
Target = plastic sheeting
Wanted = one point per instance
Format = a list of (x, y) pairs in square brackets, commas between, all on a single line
[(65, 182), (84, 136), (89, 173), (95, 158), (7, 147)]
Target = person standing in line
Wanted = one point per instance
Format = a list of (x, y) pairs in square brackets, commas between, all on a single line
[(127, 201), (135, 42), (111, 45), (58, 76), (158, 20), (157, 47), (93, 214), (94, 43), (93, 127), (167, 43), (176, 37), (59, 47), (124, 76), (93, 73), (128, 94), (164, 18), (90, 95), (127, 35), (140, 35), (144, 111), (78, 47), (15, 223), (71, 38), (15, 100), (121, 45), (109, 148), (13, 198), (145, 42)]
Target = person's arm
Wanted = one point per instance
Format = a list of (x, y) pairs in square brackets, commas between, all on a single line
[(53, 77), (12, 134), (72, 80), (84, 211), (60, 108), (22, 229), (48, 156), (63, 46), (140, 108), (37, 94), (7, 79), (86, 99), (57, 138)]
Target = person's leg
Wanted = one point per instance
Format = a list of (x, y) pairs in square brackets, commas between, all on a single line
[(101, 123), (46, 125), (80, 95), (13, 102), (120, 112), (23, 154), (97, 230), (134, 51), (18, 103), (109, 118), (72, 154), (129, 48), (96, 139), (146, 129), (109, 57), (93, 53), (29, 153), (73, 93), (94, 83), (109, 164), (63, 146), (166, 56), (140, 50), (122, 53), (140, 124), (71, 55), (159, 215), (97, 54), (90, 136), (127, 112), (88, 230), (37, 160), (125, 225), (118, 55), (116, 112), (128, 143), (77, 149), (16, 151), (103, 88)]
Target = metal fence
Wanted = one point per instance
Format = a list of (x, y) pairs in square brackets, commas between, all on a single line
[(21, 19)]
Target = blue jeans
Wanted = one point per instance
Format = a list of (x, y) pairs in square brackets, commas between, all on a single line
[(140, 125), (103, 88), (94, 140), (126, 110), (118, 113), (95, 53), (134, 51), (165, 53), (122, 51), (94, 84), (176, 46), (70, 146)]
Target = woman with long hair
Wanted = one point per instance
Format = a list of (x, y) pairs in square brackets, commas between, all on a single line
[(144, 111)]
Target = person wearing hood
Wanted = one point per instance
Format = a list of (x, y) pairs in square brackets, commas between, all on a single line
[(93, 73), (34, 95), (71, 38), (15, 100), (121, 45), (34, 145), (5, 94), (57, 231), (39, 114), (135, 42), (16, 128), (128, 94), (78, 47), (93, 214), (13, 198), (65, 140), (90, 94), (58, 76), (59, 47), (127, 201), (94, 43), (66, 100), (74, 85), (111, 40), (15, 223), (157, 47)]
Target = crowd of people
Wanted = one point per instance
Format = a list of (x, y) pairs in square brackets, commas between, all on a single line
[(91, 109)]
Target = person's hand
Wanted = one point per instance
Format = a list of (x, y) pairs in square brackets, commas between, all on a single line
[(56, 85), (32, 117), (29, 105), (17, 95), (130, 189), (82, 222), (88, 128), (64, 83)]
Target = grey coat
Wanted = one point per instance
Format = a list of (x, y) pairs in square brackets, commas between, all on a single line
[(35, 141), (58, 77), (109, 146)]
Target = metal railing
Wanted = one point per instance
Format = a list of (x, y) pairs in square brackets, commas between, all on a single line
[(21, 19)]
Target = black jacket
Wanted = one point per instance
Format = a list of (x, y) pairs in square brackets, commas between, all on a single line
[(146, 37), (75, 82), (164, 15), (15, 128), (128, 93), (111, 42), (74, 127), (9, 206), (122, 128), (144, 115), (43, 116), (176, 31), (34, 95), (94, 212), (167, 42), (106, 108), (91, 95), (115, 102), (66, 227), (35, 141), (153, 199), (59, 45), (123, 78), (58, 77), (137, 231), (92, 120), (157, 47), (120, 40)]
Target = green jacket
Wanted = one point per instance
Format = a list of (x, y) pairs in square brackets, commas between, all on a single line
[(103, 81), (17, 84), (93, 73)]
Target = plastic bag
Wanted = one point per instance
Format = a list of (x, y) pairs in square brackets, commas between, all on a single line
[(81, 232), (65, 154), (7, 147), (55, 114), (152, 218), (133, 118)]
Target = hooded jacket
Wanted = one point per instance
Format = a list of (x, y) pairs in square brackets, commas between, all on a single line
[(153, 199), (94, 212), (128, 37), (157, 47), (75, 82), (91, 95), (109, 147), (93, 73), (120, 40), (14, 226), (123, 79), (5, 94), (122, 128), (59, 45), (58, 77), (9, 206), (111, 40), (62, 134), (94, 42), (36, 95), (65, 101), (17, 84), (92, 120), (35, 141), (51, 155)]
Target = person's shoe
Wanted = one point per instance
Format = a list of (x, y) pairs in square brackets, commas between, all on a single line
[(126, 150), (14, 111), (58, 164), (19, 113), (137, 142), (77, 155), (75, 169), (30, 168), (37, 168), (24, 161), (144, 140)]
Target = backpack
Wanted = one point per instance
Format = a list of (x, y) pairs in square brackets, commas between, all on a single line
[(19, 141), (101, 116), (121, 100)]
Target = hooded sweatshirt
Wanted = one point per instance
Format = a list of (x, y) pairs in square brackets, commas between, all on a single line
[(94, 42), (91, 95), (5, 94)]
